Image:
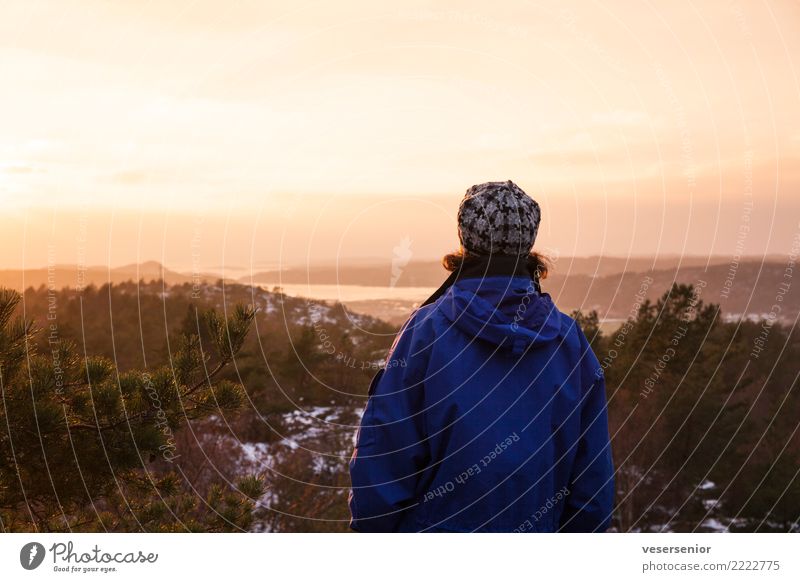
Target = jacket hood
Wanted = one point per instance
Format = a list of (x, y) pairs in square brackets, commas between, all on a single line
[(506, 311)]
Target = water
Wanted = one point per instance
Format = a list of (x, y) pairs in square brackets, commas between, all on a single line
[(350, 293)]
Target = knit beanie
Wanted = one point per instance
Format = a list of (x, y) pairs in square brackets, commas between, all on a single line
[(498, 218)]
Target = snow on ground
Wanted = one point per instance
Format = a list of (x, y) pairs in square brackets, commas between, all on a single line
[(304, 429), (715, 525), (256, 453)]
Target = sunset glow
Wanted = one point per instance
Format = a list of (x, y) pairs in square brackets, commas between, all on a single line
[(333, 131)]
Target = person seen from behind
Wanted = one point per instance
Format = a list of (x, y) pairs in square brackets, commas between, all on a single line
[(490, 412)]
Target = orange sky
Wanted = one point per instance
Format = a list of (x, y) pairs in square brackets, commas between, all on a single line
[(248, 133)]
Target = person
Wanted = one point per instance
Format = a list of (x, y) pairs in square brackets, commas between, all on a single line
[(489, 414)]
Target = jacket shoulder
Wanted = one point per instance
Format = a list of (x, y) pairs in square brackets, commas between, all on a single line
[(570, 330), (575, 337), (415, 333)]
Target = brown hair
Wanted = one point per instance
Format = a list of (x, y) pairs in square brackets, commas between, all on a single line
[(537, 264)]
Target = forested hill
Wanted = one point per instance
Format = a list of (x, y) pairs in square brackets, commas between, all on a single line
[(703, 412), (73, 276), (116, 354), (133, 323), (744, 289)]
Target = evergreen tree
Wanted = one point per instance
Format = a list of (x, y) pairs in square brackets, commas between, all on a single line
[(82, 443), (590, 324)]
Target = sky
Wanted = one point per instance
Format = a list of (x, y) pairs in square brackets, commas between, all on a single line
[(243, 133)]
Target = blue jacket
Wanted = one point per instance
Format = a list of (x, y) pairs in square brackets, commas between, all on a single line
[(490, 415)]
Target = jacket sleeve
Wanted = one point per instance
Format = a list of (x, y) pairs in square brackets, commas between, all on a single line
[(590, 501), (391, 448)]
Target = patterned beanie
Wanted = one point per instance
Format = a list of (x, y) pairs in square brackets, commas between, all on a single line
[(498, 218)]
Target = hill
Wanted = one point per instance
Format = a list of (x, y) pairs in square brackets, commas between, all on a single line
[(73, 277)]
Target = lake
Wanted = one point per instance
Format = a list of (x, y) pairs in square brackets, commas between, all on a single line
[(350, 293)]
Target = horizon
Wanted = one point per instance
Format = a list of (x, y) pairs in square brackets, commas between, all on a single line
[(378, 261)]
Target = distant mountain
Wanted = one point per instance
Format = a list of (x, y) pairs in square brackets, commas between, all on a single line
[(748, 288), (60, 276), (430, 273)]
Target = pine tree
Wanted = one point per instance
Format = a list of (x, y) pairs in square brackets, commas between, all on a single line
[(590, 324), (81, 442)]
